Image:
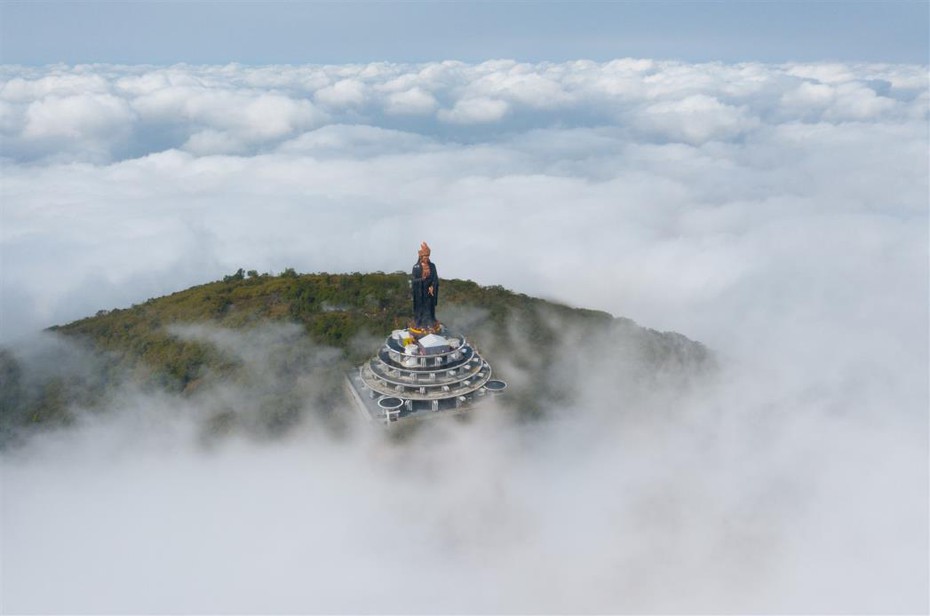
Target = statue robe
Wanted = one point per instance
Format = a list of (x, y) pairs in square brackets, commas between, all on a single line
[(424, 304)]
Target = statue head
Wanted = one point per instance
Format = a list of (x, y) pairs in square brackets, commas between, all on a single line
[(424, 251)]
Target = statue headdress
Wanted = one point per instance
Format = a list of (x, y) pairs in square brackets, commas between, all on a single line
[(424, 250)]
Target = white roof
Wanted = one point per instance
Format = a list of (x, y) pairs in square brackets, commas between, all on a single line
[(432, 340)]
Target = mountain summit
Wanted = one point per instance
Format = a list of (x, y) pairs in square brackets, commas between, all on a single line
[(286, 340)]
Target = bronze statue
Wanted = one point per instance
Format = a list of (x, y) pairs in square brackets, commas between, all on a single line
[(425, 289)]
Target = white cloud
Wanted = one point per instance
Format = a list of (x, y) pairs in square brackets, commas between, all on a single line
[(414, 101), (253, 107), (80, 117), (695, 119), (343, 93), (724, 500), (857, 102), (10, 117), (777, 213), (213, 142), (356, 141), (824, 72), (475, 111), (252, 115), (809, 96), (524, 84), (57, 83)]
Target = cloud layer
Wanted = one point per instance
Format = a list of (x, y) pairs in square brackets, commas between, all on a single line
[(777, 213), (138, 180), (103, 114), (726, 498)]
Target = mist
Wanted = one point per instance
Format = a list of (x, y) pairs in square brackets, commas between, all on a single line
[(775, 213), (736, 490)]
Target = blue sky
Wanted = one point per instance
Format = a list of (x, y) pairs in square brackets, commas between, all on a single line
[(35, 33)]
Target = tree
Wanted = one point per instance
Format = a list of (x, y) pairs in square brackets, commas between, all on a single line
[(239, 275)]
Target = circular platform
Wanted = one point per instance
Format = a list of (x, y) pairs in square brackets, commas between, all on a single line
[(446, 372)]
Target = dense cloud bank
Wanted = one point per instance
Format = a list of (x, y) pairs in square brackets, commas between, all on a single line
[(776, 213), (102, 113)]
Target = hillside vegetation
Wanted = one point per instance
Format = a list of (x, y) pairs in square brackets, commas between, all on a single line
[(347, 314)]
